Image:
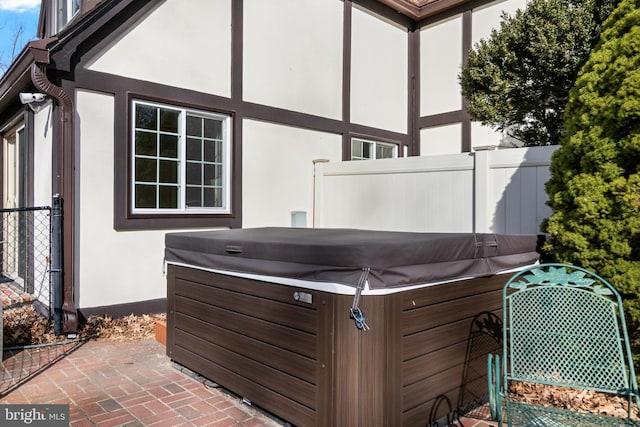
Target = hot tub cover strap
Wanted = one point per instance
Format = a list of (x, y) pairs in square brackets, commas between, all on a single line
[(354, 312)]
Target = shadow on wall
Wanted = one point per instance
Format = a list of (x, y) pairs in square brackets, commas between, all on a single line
[(517, 177)]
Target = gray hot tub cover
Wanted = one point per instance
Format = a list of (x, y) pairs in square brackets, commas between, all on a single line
[(395, 259)]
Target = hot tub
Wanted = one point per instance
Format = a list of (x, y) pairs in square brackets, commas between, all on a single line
[(268, 314)]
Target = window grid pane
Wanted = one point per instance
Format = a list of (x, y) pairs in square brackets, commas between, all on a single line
[(204, 169), (156, 157), (384, 151), (179, 159), (362, 149)]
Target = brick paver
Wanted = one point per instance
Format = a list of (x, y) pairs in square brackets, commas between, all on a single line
[(128, 384), (101, 383), (12, 295)]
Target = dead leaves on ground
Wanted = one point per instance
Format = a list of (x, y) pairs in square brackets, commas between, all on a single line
[(24, 326), (568, 398), (128, 328)]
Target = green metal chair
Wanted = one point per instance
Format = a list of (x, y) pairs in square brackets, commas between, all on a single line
[(562, 326)]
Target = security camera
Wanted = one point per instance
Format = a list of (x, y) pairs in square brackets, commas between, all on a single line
[(28, 98)]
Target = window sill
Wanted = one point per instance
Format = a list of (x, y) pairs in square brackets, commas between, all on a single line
[(177, 221)]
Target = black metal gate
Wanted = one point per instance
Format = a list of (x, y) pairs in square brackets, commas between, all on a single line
[(26, 251)]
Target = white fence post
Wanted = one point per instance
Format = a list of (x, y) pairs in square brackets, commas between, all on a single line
[(318, 175), (481, 222)]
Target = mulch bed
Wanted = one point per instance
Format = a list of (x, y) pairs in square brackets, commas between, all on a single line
[(25, 326)]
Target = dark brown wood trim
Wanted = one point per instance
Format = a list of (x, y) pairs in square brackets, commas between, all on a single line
[(171, 309), (467, 26), (466, 46), (441, 119), (413, 89), (393, 360), (406, 8), (237, 41), (346, 76), (12, 117), (379, 8), (120, 310), (14, 80), (375, 138), (97, 30), (289, 117), (25, 118), (455, 9), (117, 85), (465, 137), (377, 133), (438, 6), (326, 361), (28, 174)]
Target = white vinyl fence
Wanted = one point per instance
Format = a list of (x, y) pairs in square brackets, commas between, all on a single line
[(498, 191)]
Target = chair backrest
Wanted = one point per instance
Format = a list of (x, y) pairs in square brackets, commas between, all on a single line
[(564, 325)]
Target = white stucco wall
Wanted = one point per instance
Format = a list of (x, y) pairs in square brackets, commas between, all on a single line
[(488, 17), (440, 65), (278, 171), (379, 72), (42, 155), (445, 139), (293, 55), (440, 59), (187, 47), (42, 196), (112, 267)]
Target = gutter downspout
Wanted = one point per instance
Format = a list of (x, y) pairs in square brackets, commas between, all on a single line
[(65, 183)]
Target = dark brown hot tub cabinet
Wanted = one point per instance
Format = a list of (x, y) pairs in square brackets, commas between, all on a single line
[(265, 313)]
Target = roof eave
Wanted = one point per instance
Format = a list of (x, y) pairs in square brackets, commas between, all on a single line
[(439, 6), (18, 76), (422, 9), (404, 7)]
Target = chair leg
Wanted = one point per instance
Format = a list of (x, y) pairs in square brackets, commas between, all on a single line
[(495, 396)]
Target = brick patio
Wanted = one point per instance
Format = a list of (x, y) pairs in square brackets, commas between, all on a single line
[(120, 384), (129, 384)]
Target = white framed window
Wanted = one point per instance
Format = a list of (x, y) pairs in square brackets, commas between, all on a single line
[(180, 160), (365, 149), (65, 11)]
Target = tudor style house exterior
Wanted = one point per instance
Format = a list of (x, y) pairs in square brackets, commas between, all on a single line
[(164, 115)]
